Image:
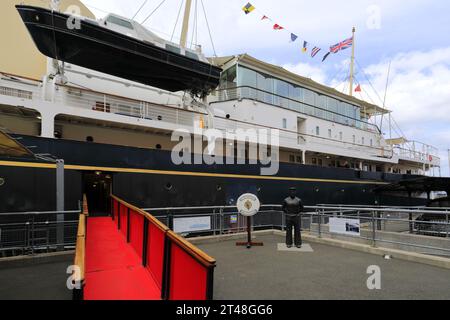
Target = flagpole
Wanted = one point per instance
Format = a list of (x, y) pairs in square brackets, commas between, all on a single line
[(352, 63), (184, 31)]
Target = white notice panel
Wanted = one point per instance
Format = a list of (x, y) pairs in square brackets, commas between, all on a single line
[(350, 227), (184, 225)]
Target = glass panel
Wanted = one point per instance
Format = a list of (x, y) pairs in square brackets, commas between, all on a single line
[(191, 55), (281, 90), (246, 77), (173, 49), (120, 22), (265, 84)]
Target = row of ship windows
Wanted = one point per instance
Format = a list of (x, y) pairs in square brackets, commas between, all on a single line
[(242, 76), (330, 134), (341, 137)]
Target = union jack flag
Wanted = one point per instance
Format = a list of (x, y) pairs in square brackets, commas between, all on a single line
[(315, 51), (342, 45)]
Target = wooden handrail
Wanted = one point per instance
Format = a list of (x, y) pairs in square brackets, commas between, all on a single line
[(80, 251), (192, 250), (146, 215)]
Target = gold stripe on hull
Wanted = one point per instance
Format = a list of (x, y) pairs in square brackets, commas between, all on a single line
[(181, 173)]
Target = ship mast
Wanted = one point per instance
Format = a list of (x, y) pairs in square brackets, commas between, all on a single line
[(184, 31), (352, 63)]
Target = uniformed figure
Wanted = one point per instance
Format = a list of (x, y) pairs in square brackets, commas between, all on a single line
[(292, 208)]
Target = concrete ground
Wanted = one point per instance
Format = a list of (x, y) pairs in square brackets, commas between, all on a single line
[(35, 279), (328, 273)]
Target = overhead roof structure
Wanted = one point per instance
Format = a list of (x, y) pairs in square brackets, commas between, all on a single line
[(9, 147), (424, 184)]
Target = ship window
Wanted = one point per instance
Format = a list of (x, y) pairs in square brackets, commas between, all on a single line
[(354, 139), (341, 137), (329, 133), (284, 123), (120, 22), (228, 78), (89, 139), (246, 77), (299, 159), (291, 158), (314, 161), (362, 140), (173, 49), (191, 55), (317, 131)]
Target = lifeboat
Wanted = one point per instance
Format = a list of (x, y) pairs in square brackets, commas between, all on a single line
[(120, 47)]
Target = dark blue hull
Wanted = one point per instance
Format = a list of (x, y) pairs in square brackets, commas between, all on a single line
[(148, 178)]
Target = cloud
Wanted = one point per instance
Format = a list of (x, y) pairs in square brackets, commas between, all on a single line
[(418, 94), (306, 70)]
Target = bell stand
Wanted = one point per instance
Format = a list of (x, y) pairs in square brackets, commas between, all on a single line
[(249, 244)]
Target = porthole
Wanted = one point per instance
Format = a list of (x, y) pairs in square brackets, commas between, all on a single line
[(2, 182), (228, 116), (169, 186), (219, 188), (158, 146), (159, 118)]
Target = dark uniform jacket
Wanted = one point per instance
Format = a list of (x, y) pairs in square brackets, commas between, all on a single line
[(293, 207)]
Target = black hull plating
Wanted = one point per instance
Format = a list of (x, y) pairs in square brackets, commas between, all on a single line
[(34, 188), (106, 51)]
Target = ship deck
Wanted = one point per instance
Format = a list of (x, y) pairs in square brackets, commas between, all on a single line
[(261, 273)]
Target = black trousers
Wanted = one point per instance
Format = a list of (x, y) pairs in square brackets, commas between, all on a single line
[(294, 222)]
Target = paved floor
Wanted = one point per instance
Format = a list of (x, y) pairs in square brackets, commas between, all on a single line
[(45, 280), (113, 269), (327, 273)]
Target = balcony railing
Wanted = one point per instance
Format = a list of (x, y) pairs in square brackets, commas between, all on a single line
[(245, 92), (97, 101)]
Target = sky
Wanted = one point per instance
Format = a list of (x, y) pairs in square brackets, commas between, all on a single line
[(409, 35)]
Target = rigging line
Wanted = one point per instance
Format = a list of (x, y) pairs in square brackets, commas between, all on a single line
[(193, 39), (142, 6), (363, 90), (176, 22), (337, 73), (368, 80), (209, 30), (156, 9), (385, 91)]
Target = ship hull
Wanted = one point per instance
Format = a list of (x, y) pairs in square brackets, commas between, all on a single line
[(104, 50), (149, 179)]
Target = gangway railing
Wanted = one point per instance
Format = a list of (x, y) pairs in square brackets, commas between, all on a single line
[(181, 270), (78, 275)]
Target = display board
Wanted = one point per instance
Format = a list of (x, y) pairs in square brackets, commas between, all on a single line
[(350, 227), (191, 224)]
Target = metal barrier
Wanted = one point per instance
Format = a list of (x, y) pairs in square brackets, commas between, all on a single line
[(24, 233), (414, 229)]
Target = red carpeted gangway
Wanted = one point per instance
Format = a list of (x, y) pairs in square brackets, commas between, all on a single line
[(133, 256)]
